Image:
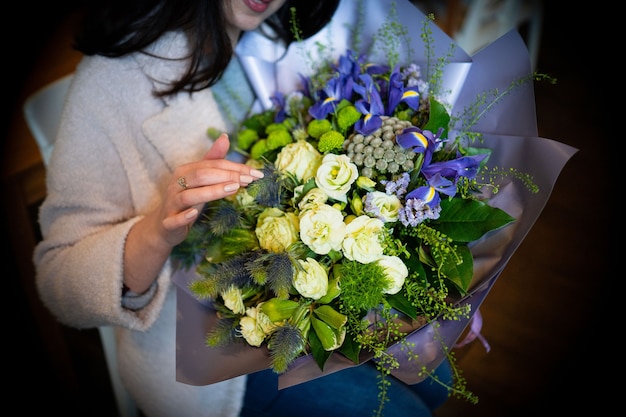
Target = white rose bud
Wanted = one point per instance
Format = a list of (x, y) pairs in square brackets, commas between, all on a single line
[(395, 270), (233, 300), (314, 198), (300, 159), (383, 206), (276, 230), (311, 279), (336, 175), (362, 240), (322, 229), (255, 326)]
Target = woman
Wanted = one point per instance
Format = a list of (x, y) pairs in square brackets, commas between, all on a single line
[(131, 169)]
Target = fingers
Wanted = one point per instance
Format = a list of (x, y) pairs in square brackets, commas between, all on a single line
[(219, 149), (199, 182), (241, 175)]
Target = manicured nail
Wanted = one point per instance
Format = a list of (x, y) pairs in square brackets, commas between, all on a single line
[(256, 173), (246, 179), (231, 187), (191, 213)]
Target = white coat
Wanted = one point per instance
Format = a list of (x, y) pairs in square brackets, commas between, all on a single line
[(116, 147)]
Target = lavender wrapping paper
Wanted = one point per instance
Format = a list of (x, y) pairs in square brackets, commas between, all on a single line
[(510, 130)]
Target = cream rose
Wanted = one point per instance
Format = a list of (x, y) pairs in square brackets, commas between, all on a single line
[(362, 240), (300, 159), (311, 280), (255, 326), (244, 198), (383, 206), (395, 270), (315, 197), (322, 228), (336, 175), (276, 230), (233, 300)]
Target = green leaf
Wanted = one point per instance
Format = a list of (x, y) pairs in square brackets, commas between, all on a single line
[(238, 240), (320, 354), (350, 349), (333, 291), (278, 310), (331, 316), (439, 117), (460, 274), (402, 304), (330, 338), (465, 220)]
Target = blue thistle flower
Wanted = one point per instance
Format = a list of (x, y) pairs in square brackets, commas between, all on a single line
[(285, 344), (267, 191), (221, 217), (274, 269)]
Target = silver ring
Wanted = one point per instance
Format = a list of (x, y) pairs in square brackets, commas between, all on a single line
[(183, 183)]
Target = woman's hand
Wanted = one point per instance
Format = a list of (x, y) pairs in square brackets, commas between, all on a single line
[(196, 183), (151, 240)]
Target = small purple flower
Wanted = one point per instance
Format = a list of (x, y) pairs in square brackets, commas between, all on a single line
[(397, 187), (416, 211)]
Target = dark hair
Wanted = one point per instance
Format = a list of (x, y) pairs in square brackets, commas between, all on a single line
[(114, 28)]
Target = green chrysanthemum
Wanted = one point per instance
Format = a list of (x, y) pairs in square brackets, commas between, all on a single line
[(278, 138), (330, 142), (246, 138), (347, 117), (317, 128)]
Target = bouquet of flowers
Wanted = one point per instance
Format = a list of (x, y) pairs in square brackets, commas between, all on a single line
[(384, 217)]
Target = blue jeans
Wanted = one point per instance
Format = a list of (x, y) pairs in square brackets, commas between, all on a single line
[(350, 392)]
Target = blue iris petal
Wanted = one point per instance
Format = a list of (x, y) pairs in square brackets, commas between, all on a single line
[(278, 100), (371, 106), (370, 122), (411, 97), (465, 166), (398, 93), (330, 96), (425, 193), (429, 194), (415, 139)]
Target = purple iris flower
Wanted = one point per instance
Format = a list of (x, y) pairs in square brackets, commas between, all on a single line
[(429, 193), (373, 69), (464, 166), (419, 141), (306, 85), (398, 93), (424, 202), (333, 92), (371, 120), (278, 99), (349, 65), (371, 106)]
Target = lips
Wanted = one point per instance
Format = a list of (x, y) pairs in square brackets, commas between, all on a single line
[(258, 6)]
